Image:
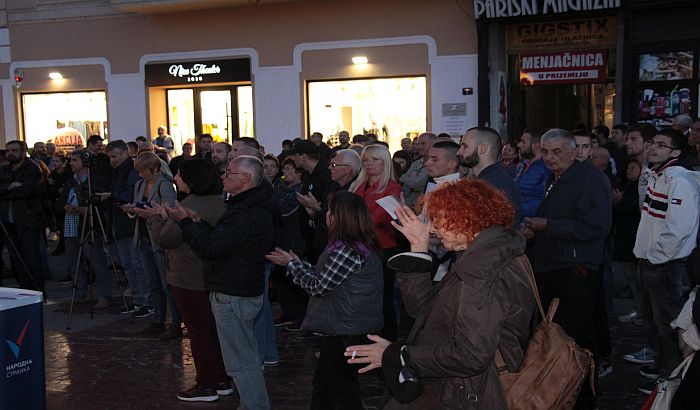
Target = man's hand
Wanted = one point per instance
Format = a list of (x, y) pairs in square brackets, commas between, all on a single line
[(14, 185), (70, 209), (104, 196), (616, 196), (535, 224)]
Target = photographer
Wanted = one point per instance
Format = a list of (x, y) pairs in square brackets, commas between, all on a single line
[(76, 200), (22, 214)]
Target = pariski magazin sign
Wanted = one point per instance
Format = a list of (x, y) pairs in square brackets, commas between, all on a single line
[(491, 9)]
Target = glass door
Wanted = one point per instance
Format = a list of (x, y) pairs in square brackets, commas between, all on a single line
[(216, 114), (181, 116)]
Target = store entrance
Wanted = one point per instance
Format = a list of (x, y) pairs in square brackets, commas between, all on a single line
[(224, 112)]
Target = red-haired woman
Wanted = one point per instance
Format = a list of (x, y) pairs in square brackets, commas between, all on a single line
[(483, 303), (375, 181)]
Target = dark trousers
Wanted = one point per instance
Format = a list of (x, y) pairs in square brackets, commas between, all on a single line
[(601, 309), (578, 293), (335, 384), (27, 243), (195, 312), (292, 298), (661, 289), (390, 329)]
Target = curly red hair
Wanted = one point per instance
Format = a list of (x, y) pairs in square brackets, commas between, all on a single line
[(469, 206)]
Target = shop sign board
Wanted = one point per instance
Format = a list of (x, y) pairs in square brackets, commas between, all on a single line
[(563, 67), (598, 32), (198, 72), (494, 9), (67, 138)]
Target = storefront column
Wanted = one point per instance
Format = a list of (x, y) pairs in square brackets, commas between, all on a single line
[(9, 110), (278, 106), (449, 74), (126, 106)]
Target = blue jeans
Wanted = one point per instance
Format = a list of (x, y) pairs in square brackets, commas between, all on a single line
[(133, 270), (154, 290), (265, 326), (234, 317), (94, 252), (167, 290)]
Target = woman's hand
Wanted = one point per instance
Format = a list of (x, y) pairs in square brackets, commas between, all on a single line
[(280, 257), (178, 212), (417, 232), (160, 210), (371, 353), (146, 212)]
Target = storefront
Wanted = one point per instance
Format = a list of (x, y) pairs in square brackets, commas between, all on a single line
[(551, 64), (202, 97)]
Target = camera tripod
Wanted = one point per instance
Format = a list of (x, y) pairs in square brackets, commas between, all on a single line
[(87, 236)]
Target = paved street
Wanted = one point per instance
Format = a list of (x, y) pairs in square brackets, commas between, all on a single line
[(103, 363)]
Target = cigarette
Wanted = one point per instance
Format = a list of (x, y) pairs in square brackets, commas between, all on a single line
[(354, 353)]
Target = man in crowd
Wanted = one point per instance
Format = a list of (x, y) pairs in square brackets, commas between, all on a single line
[(479, 151), (164, 146), (416, 176), (176, 161), (406, 144), (618, 151), (286, 151), (531, 174), (324, 152), (600, 158), (666, 236), (124, 180), (569, 235), (22, 186), (344, 142), (317, 185), (638, 140), (219, 157), (682, 123), (40, 153), (234, 252), (584, 145), (204, 147)]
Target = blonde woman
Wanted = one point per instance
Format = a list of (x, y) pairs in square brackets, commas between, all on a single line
[(376, 181)]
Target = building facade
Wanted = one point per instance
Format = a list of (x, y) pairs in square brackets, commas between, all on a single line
[(269, 69)]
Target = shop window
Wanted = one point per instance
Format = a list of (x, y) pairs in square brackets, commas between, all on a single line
[(245, 111), (180, 118), (66, 119), (216, 114), (392, 108)]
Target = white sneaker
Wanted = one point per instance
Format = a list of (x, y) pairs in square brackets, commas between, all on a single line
[(53, 237), (642, 356), (628, 318)]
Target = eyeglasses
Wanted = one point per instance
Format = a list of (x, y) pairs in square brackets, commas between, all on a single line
[(335, 164), (227, 173), (660, 145)]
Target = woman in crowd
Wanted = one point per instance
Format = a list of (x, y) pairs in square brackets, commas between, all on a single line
[(375, 181), (292, 299), (153, 188), (402, 160), (626, 216), (272, 167), (484, 303), (509, 158), (185, 272), (345, 300)]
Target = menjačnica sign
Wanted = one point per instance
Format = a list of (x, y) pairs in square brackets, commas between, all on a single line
[(492, 9)]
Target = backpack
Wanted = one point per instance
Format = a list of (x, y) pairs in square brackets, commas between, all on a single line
[(554, 367)]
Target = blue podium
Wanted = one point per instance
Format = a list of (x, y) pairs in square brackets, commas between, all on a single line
[(22, 384)]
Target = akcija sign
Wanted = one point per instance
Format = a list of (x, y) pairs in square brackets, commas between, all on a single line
[(565, 67), (198, 72), (491, 9)]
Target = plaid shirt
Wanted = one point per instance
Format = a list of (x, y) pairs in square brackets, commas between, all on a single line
[(342, 261), (71, 222)]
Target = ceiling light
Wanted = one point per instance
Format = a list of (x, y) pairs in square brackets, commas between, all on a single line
[(55, 76), (359, 60)]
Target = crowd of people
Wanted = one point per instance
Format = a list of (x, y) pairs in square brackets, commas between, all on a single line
[(203, 238)]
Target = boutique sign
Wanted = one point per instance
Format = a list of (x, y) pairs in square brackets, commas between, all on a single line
[(493, 9), (198, 72), (573, 67)]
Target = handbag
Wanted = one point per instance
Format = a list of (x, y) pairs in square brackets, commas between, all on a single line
[(667, 389)]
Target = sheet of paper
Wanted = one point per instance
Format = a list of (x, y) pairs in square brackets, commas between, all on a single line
[(389, 203)]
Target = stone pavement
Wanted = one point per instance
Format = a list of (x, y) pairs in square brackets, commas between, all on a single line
[(102, 363)]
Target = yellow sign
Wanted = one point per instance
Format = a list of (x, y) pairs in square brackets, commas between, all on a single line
[(598, 32)]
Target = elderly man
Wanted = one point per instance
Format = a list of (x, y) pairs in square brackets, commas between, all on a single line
[(163, 144), (479, 150), (416, 177), (682, 123), (568, 239), (234, 252)]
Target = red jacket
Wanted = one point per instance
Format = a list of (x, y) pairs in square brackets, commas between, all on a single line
[(380, 218)]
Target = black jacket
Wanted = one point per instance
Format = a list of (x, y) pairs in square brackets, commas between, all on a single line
[(579, 215), (26, 201), (235, 249), (318, 183), (124, 179)]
